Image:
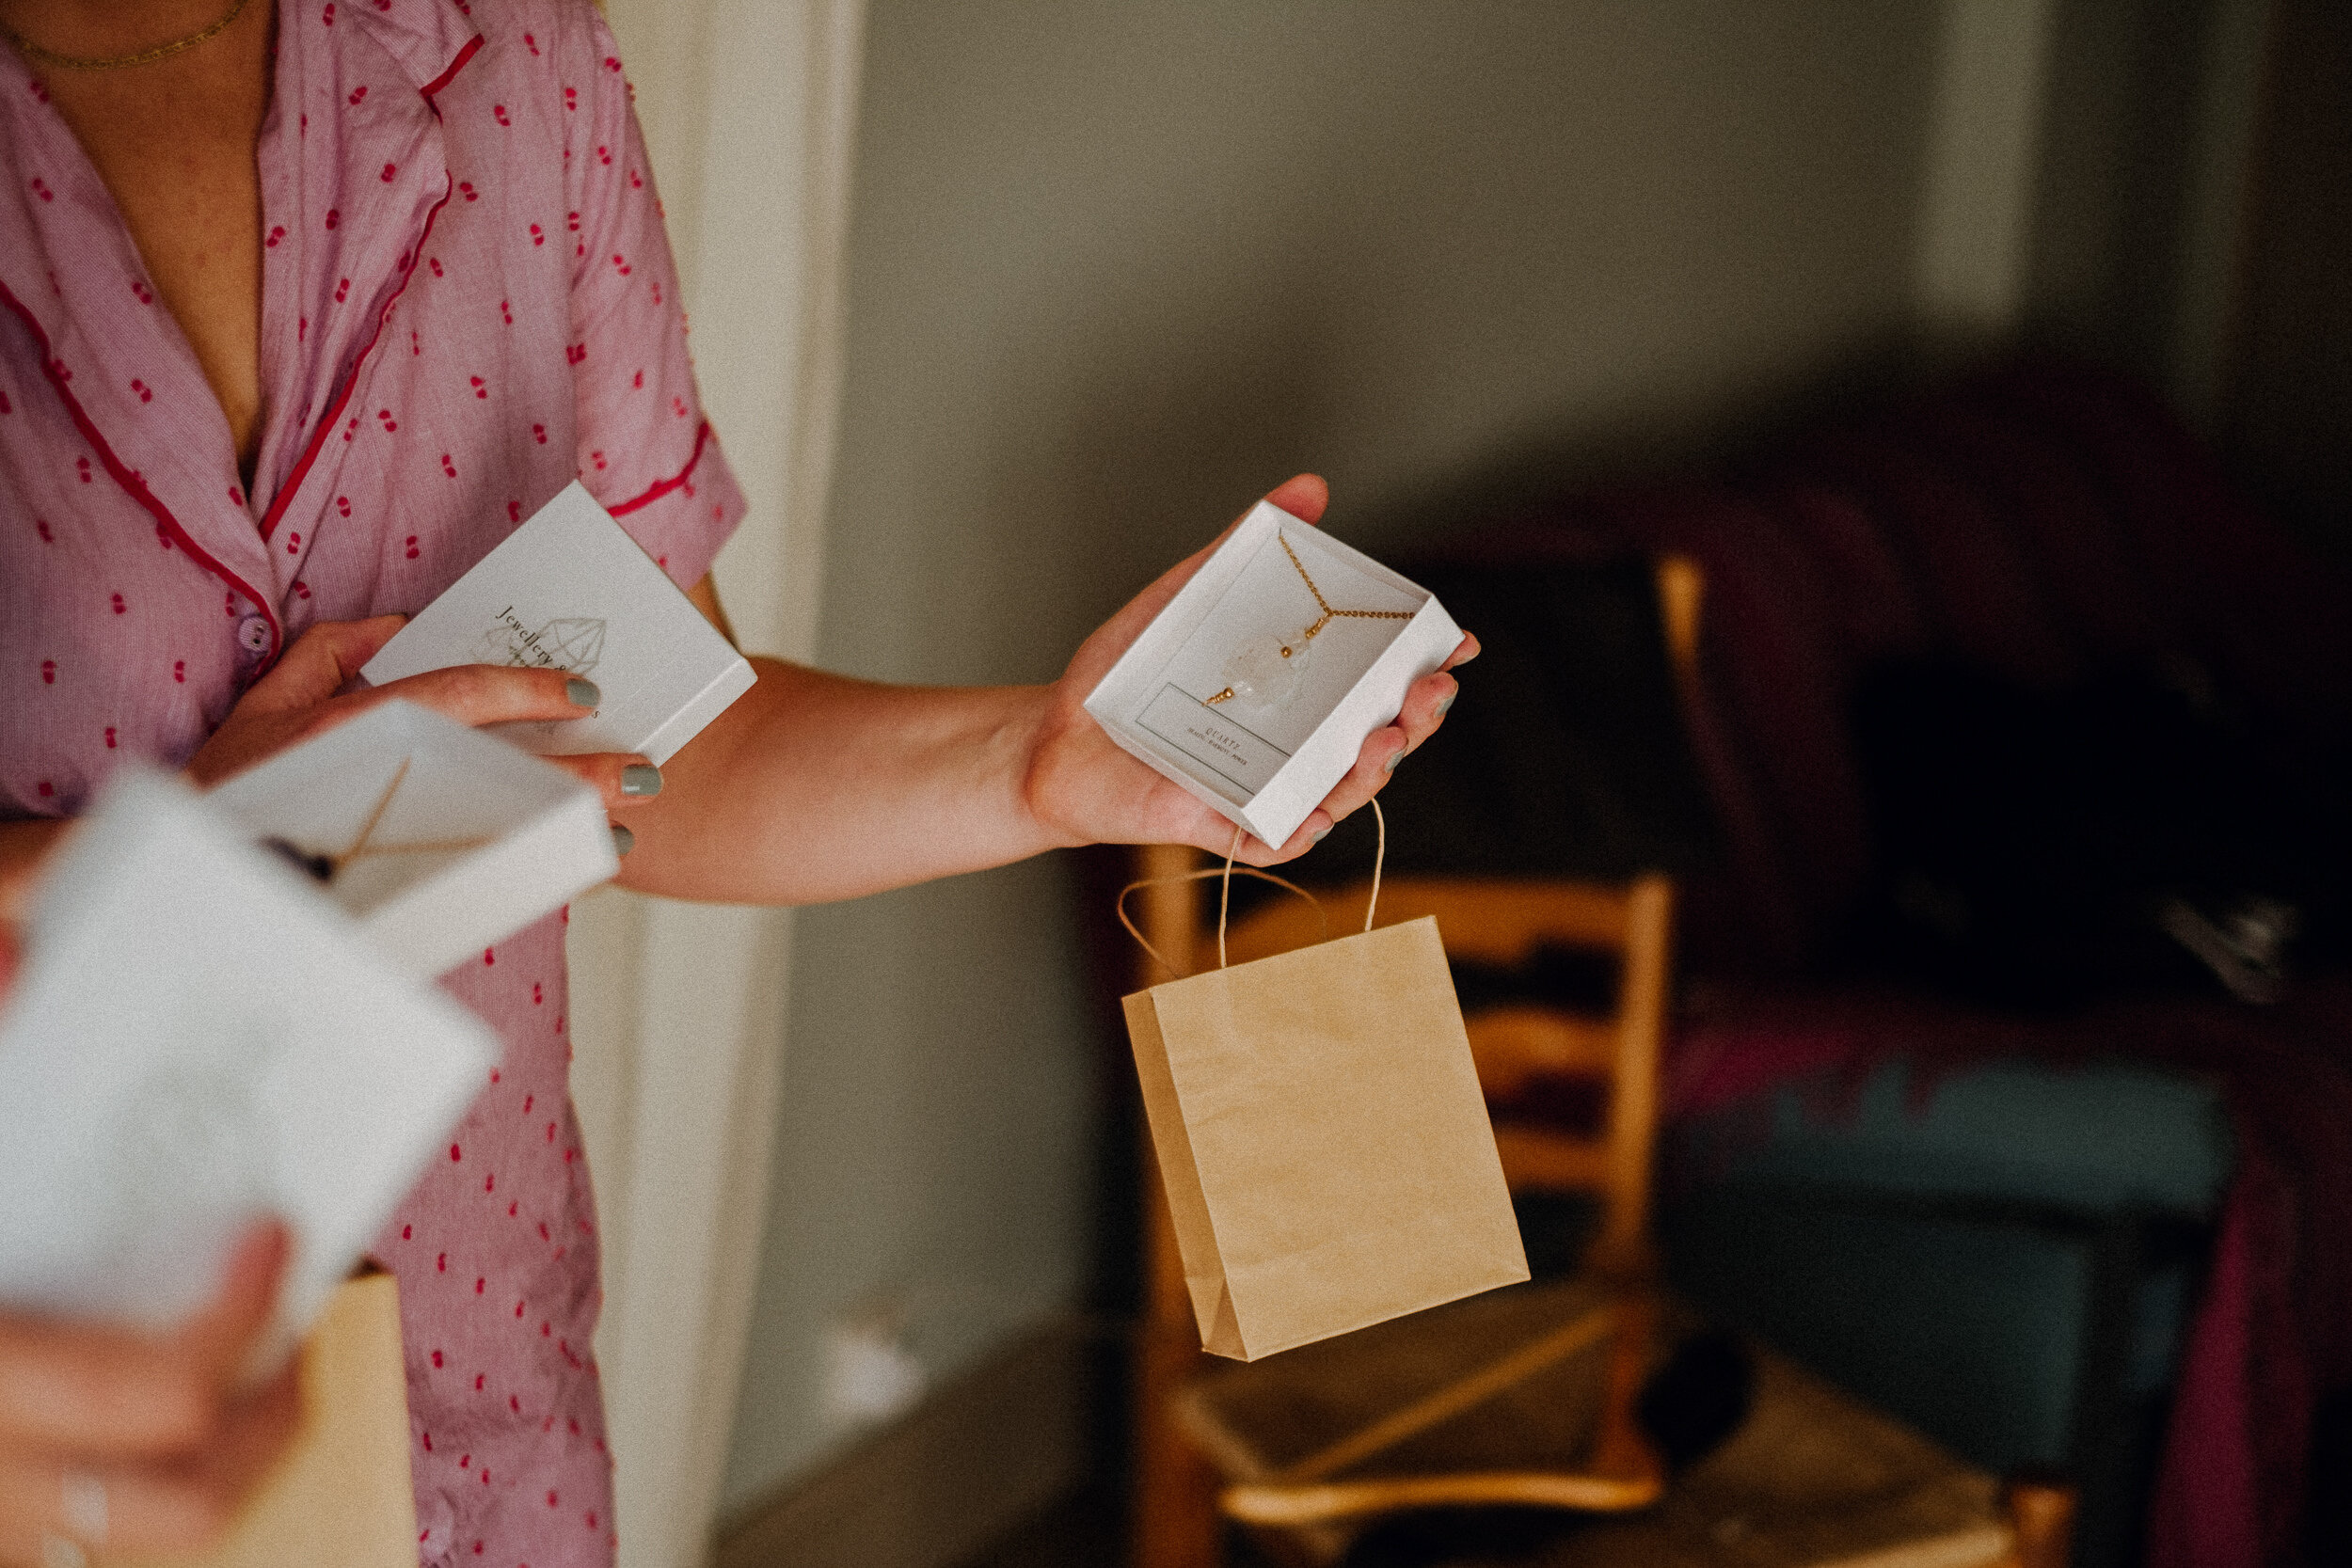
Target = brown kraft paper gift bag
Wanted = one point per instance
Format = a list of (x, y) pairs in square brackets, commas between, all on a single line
[(1321, 1135), (340, 1495)]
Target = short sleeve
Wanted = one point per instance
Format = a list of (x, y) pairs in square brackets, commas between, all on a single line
[(646, 453)]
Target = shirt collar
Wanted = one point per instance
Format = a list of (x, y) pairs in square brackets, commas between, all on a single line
[(430, 39)]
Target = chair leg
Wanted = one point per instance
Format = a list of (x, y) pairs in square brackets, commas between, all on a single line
[(1176, 1523), (2041, 1516)]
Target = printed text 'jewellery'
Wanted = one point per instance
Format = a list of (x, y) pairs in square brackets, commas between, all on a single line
[(1263, 670)]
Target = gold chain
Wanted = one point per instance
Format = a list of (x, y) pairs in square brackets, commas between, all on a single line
[(1324, 605), (325, 868), (145, 57)]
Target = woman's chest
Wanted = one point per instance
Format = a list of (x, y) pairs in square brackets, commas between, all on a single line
[(173, 144), (142, 589)]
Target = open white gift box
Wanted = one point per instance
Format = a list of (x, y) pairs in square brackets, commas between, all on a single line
[(1255, 687), (439, 840), (199, 1038)]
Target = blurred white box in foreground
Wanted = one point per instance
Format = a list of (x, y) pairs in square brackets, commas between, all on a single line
[(199, 1038)]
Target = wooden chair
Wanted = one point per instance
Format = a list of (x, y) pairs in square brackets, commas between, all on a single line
[(1600, 1326), (1526, 1396)]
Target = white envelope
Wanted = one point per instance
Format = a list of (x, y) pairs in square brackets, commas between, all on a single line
[(570, 589), (477, 841), (1267, 767), (199, 1038)]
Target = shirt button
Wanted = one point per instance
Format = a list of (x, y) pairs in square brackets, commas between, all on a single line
[(253, 634)]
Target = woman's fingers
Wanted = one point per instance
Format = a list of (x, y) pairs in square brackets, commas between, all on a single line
[(181, 1503), (492, 693), (1426, 704), (622, 778), (138, 1441), (110, 1392), (1385, 750), (300, 697), (321, 663), (99, 1391), (1428, 701), (1303, 496), (218, 1338)]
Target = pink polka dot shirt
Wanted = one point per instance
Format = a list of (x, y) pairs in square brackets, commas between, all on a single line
[(467, 299)]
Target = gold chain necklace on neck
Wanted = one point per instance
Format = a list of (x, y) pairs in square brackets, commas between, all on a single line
[(146, 56), (1264, 672)]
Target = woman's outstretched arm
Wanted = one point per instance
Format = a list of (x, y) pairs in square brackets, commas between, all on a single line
[(814, 787)]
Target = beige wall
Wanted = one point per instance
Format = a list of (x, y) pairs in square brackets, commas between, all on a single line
[(1115, 270)]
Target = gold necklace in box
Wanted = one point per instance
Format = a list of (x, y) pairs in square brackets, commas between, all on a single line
[(1265, 671), (325, 868)]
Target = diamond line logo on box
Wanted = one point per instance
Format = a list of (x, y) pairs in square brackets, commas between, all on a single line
[(570, 642)]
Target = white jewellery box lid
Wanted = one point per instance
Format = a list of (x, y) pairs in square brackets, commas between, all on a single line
[(199, 1039), (570, 589), (439, 839), (1257, 685)]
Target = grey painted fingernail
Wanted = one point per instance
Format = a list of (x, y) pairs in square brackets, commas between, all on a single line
[(623, 840), (641, 778), (580, 693), (1394, 760), (1446, 701), (1321, 833)]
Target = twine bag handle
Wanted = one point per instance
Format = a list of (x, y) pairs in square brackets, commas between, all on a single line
[(1225, 891)]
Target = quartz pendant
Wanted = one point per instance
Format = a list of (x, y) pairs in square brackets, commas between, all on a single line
[(1264, 672)]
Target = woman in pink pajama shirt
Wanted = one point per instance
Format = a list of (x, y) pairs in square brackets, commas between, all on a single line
[(297, 321)]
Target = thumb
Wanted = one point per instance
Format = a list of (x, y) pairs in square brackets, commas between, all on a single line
[(217, 1337), (1303, 496), (321, 662)]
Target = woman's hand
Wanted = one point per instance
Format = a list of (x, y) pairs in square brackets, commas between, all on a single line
[(300, 698), (139, 1443), (1083, 788)]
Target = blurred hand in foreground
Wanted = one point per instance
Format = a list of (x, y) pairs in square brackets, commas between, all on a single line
[(138, 1443)]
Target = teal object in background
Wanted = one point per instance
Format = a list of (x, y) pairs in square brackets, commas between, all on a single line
[(2006, 1260), (2105, 1136), (1972, 1331)]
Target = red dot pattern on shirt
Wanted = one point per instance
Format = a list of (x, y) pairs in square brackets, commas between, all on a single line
[(618, 258)]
